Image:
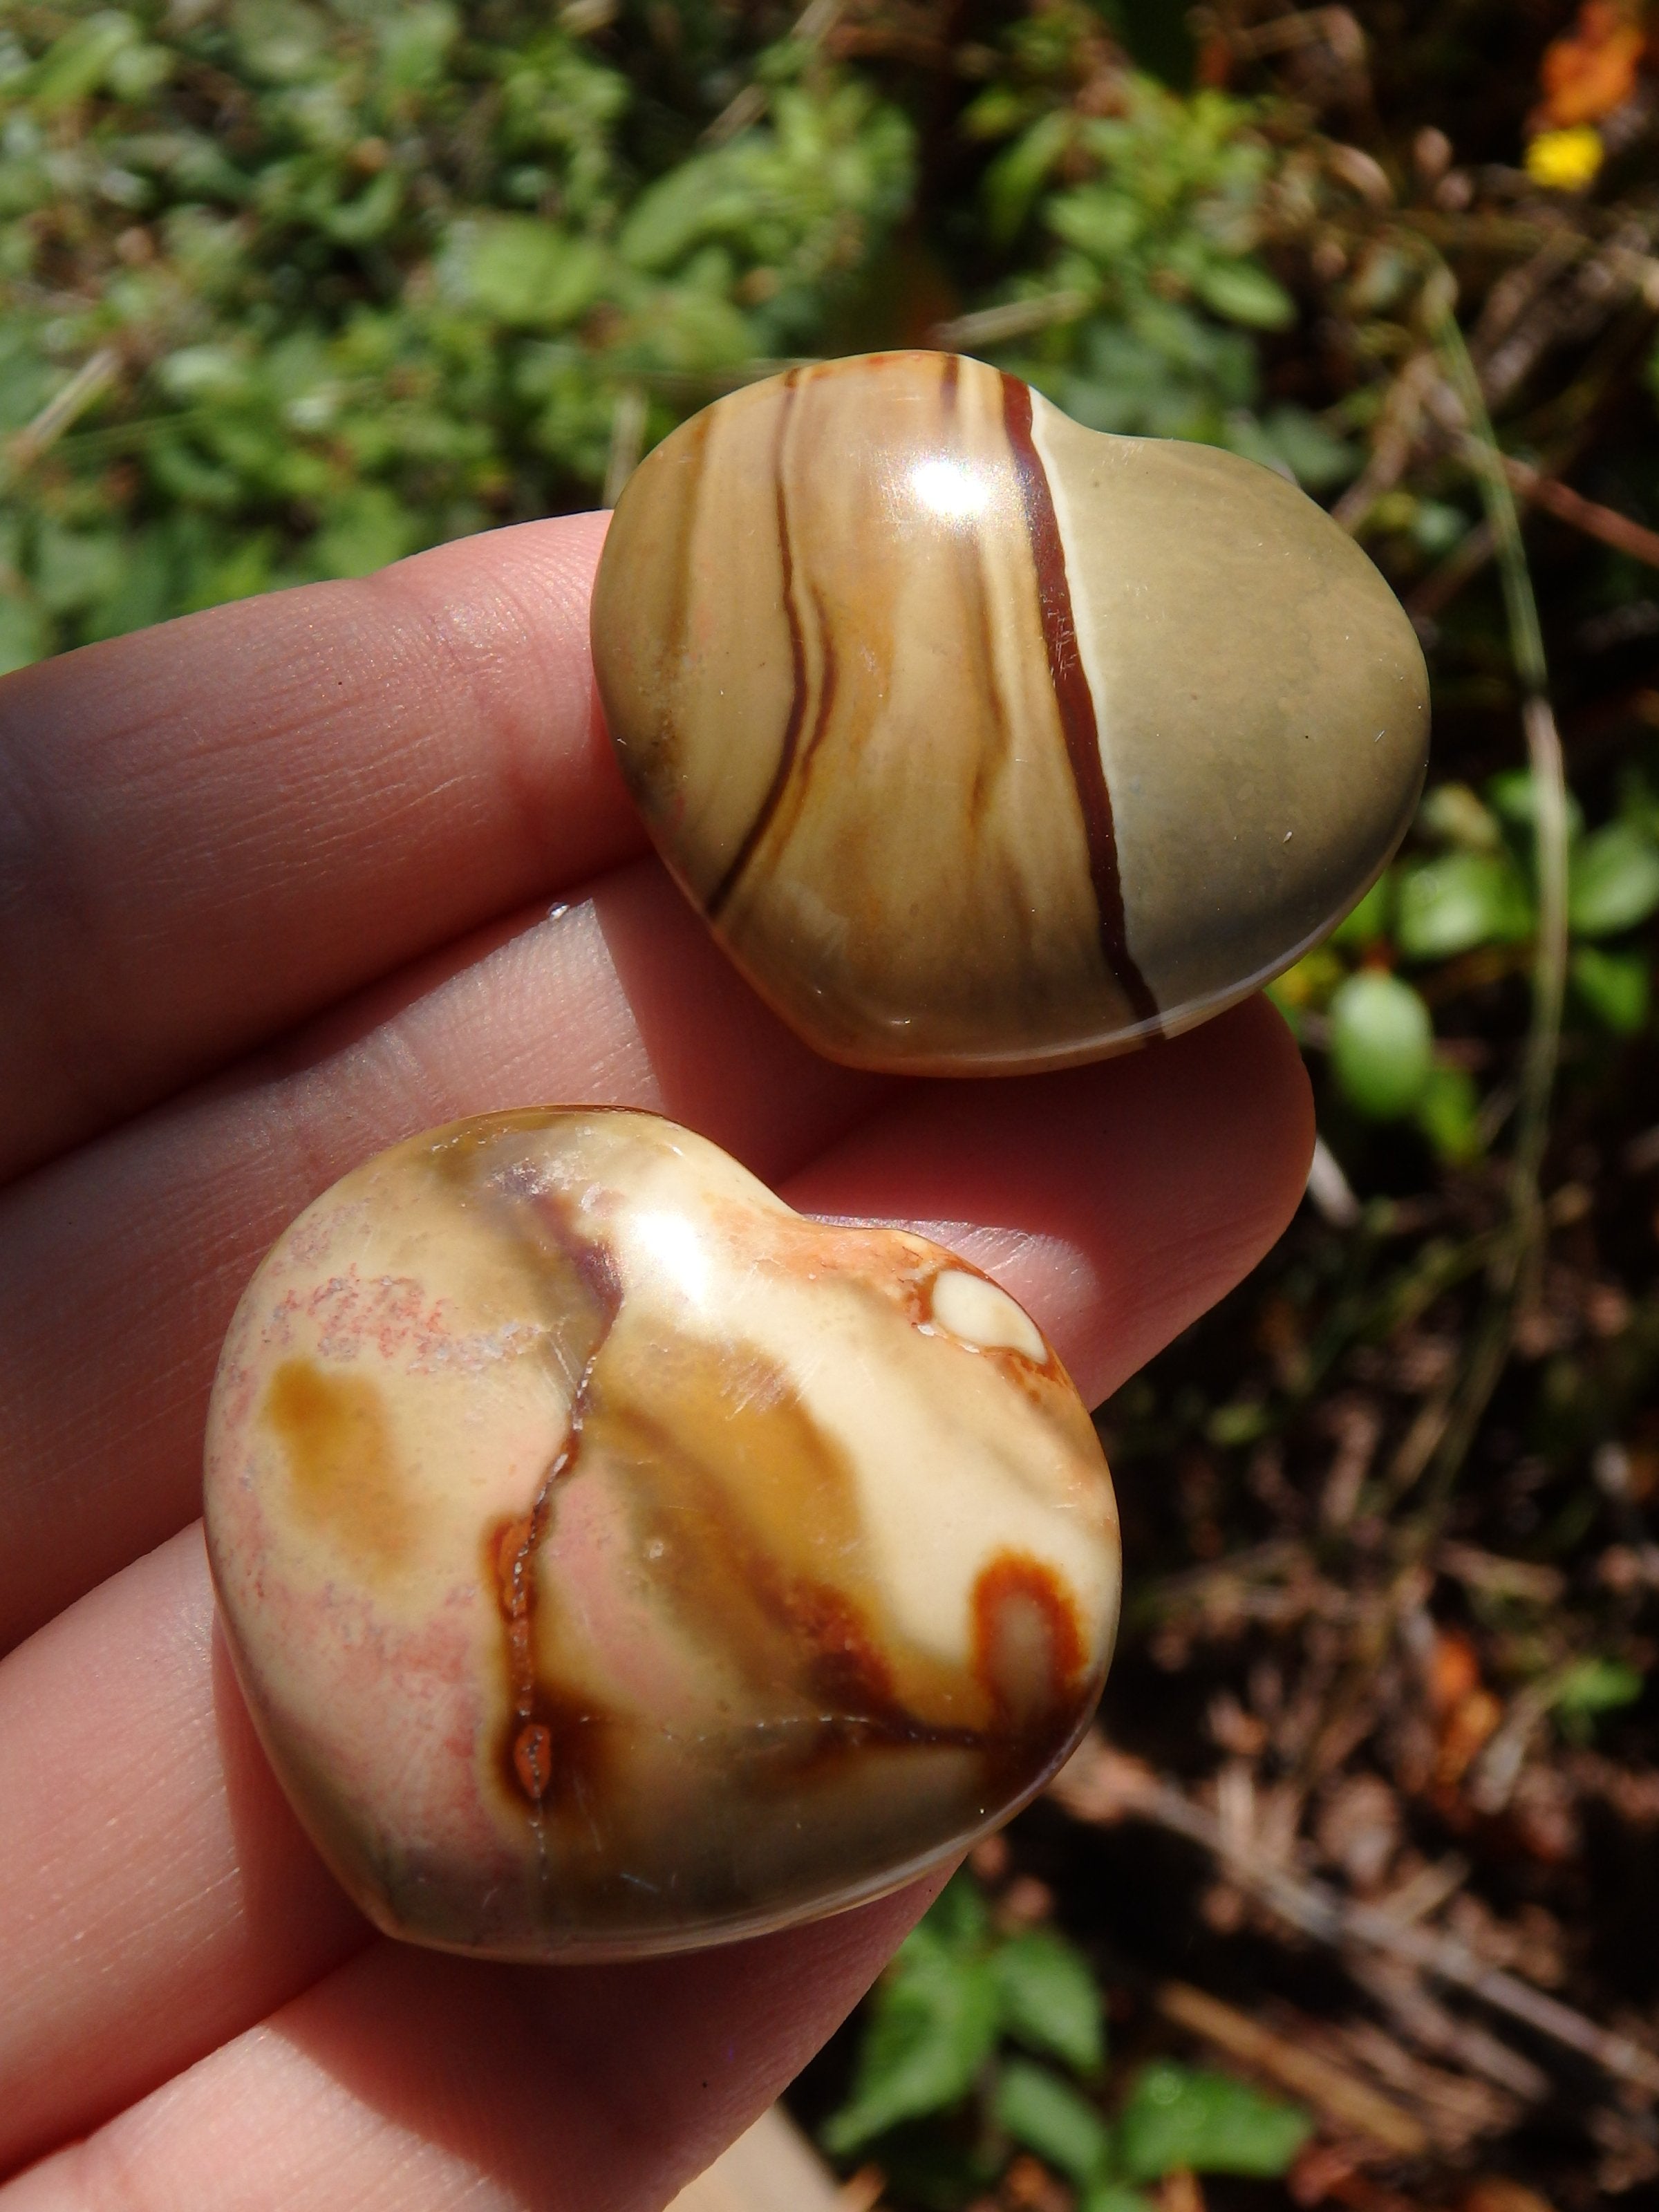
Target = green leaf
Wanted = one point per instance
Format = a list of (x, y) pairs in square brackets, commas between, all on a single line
[(525, 272), (956, 1917), (1616, 987), (1049, 1999), (1452, 812), (1113, 2196), (933, 2026), (1240, 292), (1514, 801), (1458, 901), (1290, 437), (1613, 881), (1047, 2116), (1436, 527), (1381, 1044), (368, 530), (282, 41), (354, 223), (1370, 920), (25, 633), (1448, 1112), (76, 569), (1598, 1686), (415, 42), (1015, 177), (74, 66), (1180, 2116)]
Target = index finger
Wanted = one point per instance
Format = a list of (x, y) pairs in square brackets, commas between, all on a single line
[(212, 829)]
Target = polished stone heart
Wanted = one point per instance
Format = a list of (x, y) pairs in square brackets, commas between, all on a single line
[(615, 1560), (984, 741)]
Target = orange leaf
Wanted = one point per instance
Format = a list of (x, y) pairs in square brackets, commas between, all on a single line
[(1593, 69)]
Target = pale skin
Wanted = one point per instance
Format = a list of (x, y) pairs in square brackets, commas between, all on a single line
[(275, 891)]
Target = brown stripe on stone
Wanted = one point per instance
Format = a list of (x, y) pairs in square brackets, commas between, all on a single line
[(781, 776), (1074, 698)]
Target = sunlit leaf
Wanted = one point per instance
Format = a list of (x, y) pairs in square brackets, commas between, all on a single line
[(368, 530), (1598, 1686), (1436, 527), (1047, 2116), (932, 2024), (25, 633), (75, 65), (1371, 919), (1458, 901), (1049, 1998), (1178, 2115), (527, 272), (1113, 2196), (1448, 1112), (956, 1917), (1617, 987), (1513, 797), (1381, 1044), (1243, 292), (1454, 813), (1013, 181), (1614, 881)]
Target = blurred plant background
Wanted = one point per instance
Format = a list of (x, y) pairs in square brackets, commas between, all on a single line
[(1352, 1901)]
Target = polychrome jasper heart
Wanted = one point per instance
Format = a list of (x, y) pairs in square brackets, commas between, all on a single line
[(988, 742), (615, 1560)]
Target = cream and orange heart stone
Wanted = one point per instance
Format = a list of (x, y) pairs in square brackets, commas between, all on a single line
[(615, 1560), (987, 742)]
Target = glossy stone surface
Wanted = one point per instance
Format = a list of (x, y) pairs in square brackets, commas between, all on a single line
[(988, 742), (615, 1560)]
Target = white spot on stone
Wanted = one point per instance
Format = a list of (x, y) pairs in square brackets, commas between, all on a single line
[(981, 1313), (950, 489)]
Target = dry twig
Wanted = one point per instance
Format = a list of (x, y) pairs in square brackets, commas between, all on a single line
[(1102, 1786), (1349, 2105)]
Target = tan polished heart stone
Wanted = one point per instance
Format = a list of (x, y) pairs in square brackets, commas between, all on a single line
[(615, 1560), (988, 742)]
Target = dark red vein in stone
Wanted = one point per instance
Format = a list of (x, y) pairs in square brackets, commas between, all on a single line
[(781, 774), (541, 1727), (1074, 698), (532, 1744)]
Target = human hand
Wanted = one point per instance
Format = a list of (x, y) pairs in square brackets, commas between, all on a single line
[(276, 891)]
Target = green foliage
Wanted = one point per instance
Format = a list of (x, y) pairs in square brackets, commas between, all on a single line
[(934, 2024), (292, 287), (936, 2036), (954, 1991), (1382, 1043), (1047, 2116), (1149, 219), (1180, 2116), (1614, 882), (1615, 989), (1048, 1999), (1456, 901), (1590, 1686), (354, 277), (1466, 890)]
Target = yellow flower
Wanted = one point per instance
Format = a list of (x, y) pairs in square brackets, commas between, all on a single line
[(1565, 160)]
